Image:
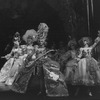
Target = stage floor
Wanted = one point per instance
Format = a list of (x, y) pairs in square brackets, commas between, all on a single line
[(32, 96)]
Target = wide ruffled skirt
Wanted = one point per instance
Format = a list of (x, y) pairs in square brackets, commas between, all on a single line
[(5, 70), (14, 71), (54, 82), (10, 70), (88, 72)]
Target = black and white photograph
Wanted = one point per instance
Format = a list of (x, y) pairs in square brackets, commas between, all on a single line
[(49, 49)]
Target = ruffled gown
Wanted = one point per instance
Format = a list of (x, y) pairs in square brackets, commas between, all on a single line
[(10, 69), (54, 80), (88, 72), (25, 72), (22, 80)]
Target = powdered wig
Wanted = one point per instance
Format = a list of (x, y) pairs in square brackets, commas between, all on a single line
[(30, 33), (88, 39)]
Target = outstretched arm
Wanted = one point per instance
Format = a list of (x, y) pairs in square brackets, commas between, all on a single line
[(8, 56), (97, 40)]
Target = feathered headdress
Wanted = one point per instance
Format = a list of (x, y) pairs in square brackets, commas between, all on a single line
[(42, 31)]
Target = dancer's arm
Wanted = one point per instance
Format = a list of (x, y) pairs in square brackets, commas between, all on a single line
[(80, 53)]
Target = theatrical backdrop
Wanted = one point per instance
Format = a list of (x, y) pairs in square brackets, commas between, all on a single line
[(66, 20), (64, 17)]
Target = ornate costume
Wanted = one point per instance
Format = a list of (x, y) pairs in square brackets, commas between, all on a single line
[(88, 69), (21, 82), (70, 58), (54, 79), (10, 68)]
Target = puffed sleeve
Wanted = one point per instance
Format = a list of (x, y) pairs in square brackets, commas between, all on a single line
[(80, 53)]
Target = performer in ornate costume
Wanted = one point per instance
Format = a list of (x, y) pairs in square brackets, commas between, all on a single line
[(49, 70), (54, 79), (21, 82), (69, 59), (14, 61), (24, 75), (88, 69)]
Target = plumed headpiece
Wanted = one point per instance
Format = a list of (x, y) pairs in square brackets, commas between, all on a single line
[(43, 27), (30, 33), (42, 31)]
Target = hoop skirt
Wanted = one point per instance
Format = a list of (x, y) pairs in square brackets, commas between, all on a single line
[(54, 80), (10, 70), (88, 72)]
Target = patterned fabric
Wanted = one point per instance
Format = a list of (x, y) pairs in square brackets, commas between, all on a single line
[(88, 72), (4, 73), (54, 80), (21, 83), (10, 68)]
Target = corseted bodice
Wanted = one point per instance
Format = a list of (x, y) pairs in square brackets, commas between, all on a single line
[(86, 51), (16, 52)]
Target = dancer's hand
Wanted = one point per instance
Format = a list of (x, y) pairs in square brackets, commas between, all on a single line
[(8, 56)]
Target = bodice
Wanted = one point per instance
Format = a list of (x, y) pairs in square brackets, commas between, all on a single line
[(17, 52), (86, 52), (30, 49)]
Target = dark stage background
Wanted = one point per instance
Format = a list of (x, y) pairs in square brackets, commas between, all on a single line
[(64, 17)]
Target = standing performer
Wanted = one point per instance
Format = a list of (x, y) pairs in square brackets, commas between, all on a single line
[(69, 59), (10, 68), (69, 62), (49, 70), (21, 82), (88, 72), (54, 80), (88, 69), (41, 49)]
